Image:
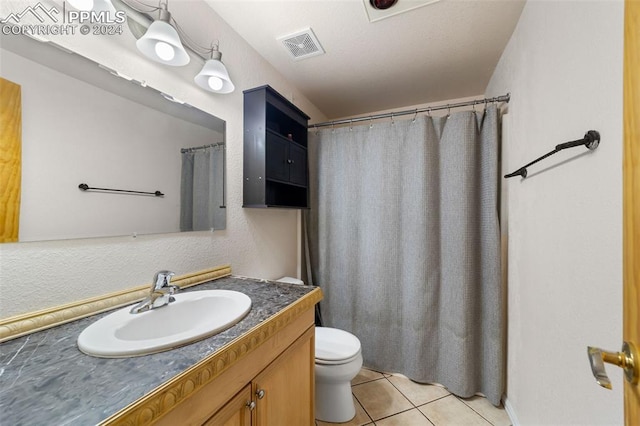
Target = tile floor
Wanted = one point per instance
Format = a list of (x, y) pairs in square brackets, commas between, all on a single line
[(393, 400)]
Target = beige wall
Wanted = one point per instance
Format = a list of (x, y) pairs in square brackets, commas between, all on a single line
[(563, 67), (256, 243)]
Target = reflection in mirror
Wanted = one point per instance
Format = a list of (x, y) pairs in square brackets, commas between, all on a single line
[(83, 124)]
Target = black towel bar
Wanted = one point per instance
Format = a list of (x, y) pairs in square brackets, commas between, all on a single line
[(591, 140), (86, 187)]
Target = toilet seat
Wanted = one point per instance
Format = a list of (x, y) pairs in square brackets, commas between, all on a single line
[(334, 346), (338, 362)]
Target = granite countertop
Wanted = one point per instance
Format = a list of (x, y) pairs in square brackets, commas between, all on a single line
[(45, 379)]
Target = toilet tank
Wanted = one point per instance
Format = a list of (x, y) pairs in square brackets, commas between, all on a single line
[(290, 280)]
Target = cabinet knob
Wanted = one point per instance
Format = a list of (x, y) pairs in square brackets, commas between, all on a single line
[(260, 393), (290, 161), (251, 405)]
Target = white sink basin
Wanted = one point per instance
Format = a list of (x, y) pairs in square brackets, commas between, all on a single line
[(193, 316)]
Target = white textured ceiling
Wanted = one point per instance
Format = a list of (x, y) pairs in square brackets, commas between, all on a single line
[(444, 50)]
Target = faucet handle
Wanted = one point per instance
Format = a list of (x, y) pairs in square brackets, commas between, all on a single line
[(161, 280)]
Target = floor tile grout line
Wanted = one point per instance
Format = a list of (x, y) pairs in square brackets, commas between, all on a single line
[(428, 402), (382, 376), (368, 381), (370, 416), (414, 406), (401, 393), (362, 406), (474, 410), (437, 399), (403, 411)]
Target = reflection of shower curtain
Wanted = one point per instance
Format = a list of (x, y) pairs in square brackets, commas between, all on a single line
[(404, 240), (201, 190)]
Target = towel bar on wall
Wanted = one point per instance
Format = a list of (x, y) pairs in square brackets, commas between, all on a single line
[(86, 187), (591, 140)]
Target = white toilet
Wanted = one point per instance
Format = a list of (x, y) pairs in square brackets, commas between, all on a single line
[(338, 361)]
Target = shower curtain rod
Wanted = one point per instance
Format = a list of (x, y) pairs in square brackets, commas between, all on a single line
[(503, 98), (195, 148)]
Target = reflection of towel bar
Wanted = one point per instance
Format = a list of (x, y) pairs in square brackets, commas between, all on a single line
[(86, 187), (591, 140)]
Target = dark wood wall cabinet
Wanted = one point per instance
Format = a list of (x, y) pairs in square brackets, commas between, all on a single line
[(275, 151)]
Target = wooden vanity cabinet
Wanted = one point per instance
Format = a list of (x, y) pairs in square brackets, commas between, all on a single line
[(283, 390), (236, 412), (272, 385)]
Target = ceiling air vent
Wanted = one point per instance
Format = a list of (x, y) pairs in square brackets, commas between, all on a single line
[(302, 44)]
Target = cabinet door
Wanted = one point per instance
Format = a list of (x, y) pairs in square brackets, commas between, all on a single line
[(298, 164), (277, 165), (284, 390), (236, 412)]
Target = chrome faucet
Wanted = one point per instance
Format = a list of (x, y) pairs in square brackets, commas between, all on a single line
[(161, 293)]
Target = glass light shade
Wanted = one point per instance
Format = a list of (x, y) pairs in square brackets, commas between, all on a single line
[(214, 77), (162, 32)]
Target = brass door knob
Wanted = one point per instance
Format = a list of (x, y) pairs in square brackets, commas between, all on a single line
[(627, 359)]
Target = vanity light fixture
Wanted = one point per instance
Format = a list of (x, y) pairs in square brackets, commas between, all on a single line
[(214, 76), (161, 42), (164, 41)]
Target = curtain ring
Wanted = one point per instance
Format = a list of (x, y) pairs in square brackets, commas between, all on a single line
[(351, 125), (333, 129), (474, 106), (429, 112), (448, 111), (370, 122), (415, 115), (392, 122)]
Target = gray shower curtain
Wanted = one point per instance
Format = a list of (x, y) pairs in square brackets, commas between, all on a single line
[(201, 188), (403, 238)]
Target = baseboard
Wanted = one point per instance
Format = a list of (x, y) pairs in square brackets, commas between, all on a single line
[(510, 411)]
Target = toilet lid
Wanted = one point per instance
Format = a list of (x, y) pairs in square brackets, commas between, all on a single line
[(333, 344)]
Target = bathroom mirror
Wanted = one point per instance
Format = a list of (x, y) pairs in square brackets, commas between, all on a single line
[(84, 124)]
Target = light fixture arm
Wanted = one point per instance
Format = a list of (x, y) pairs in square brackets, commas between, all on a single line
[(163, 12), (214, 53)]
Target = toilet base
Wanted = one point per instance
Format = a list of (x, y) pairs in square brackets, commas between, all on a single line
[(334, 401), (334, 404)]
